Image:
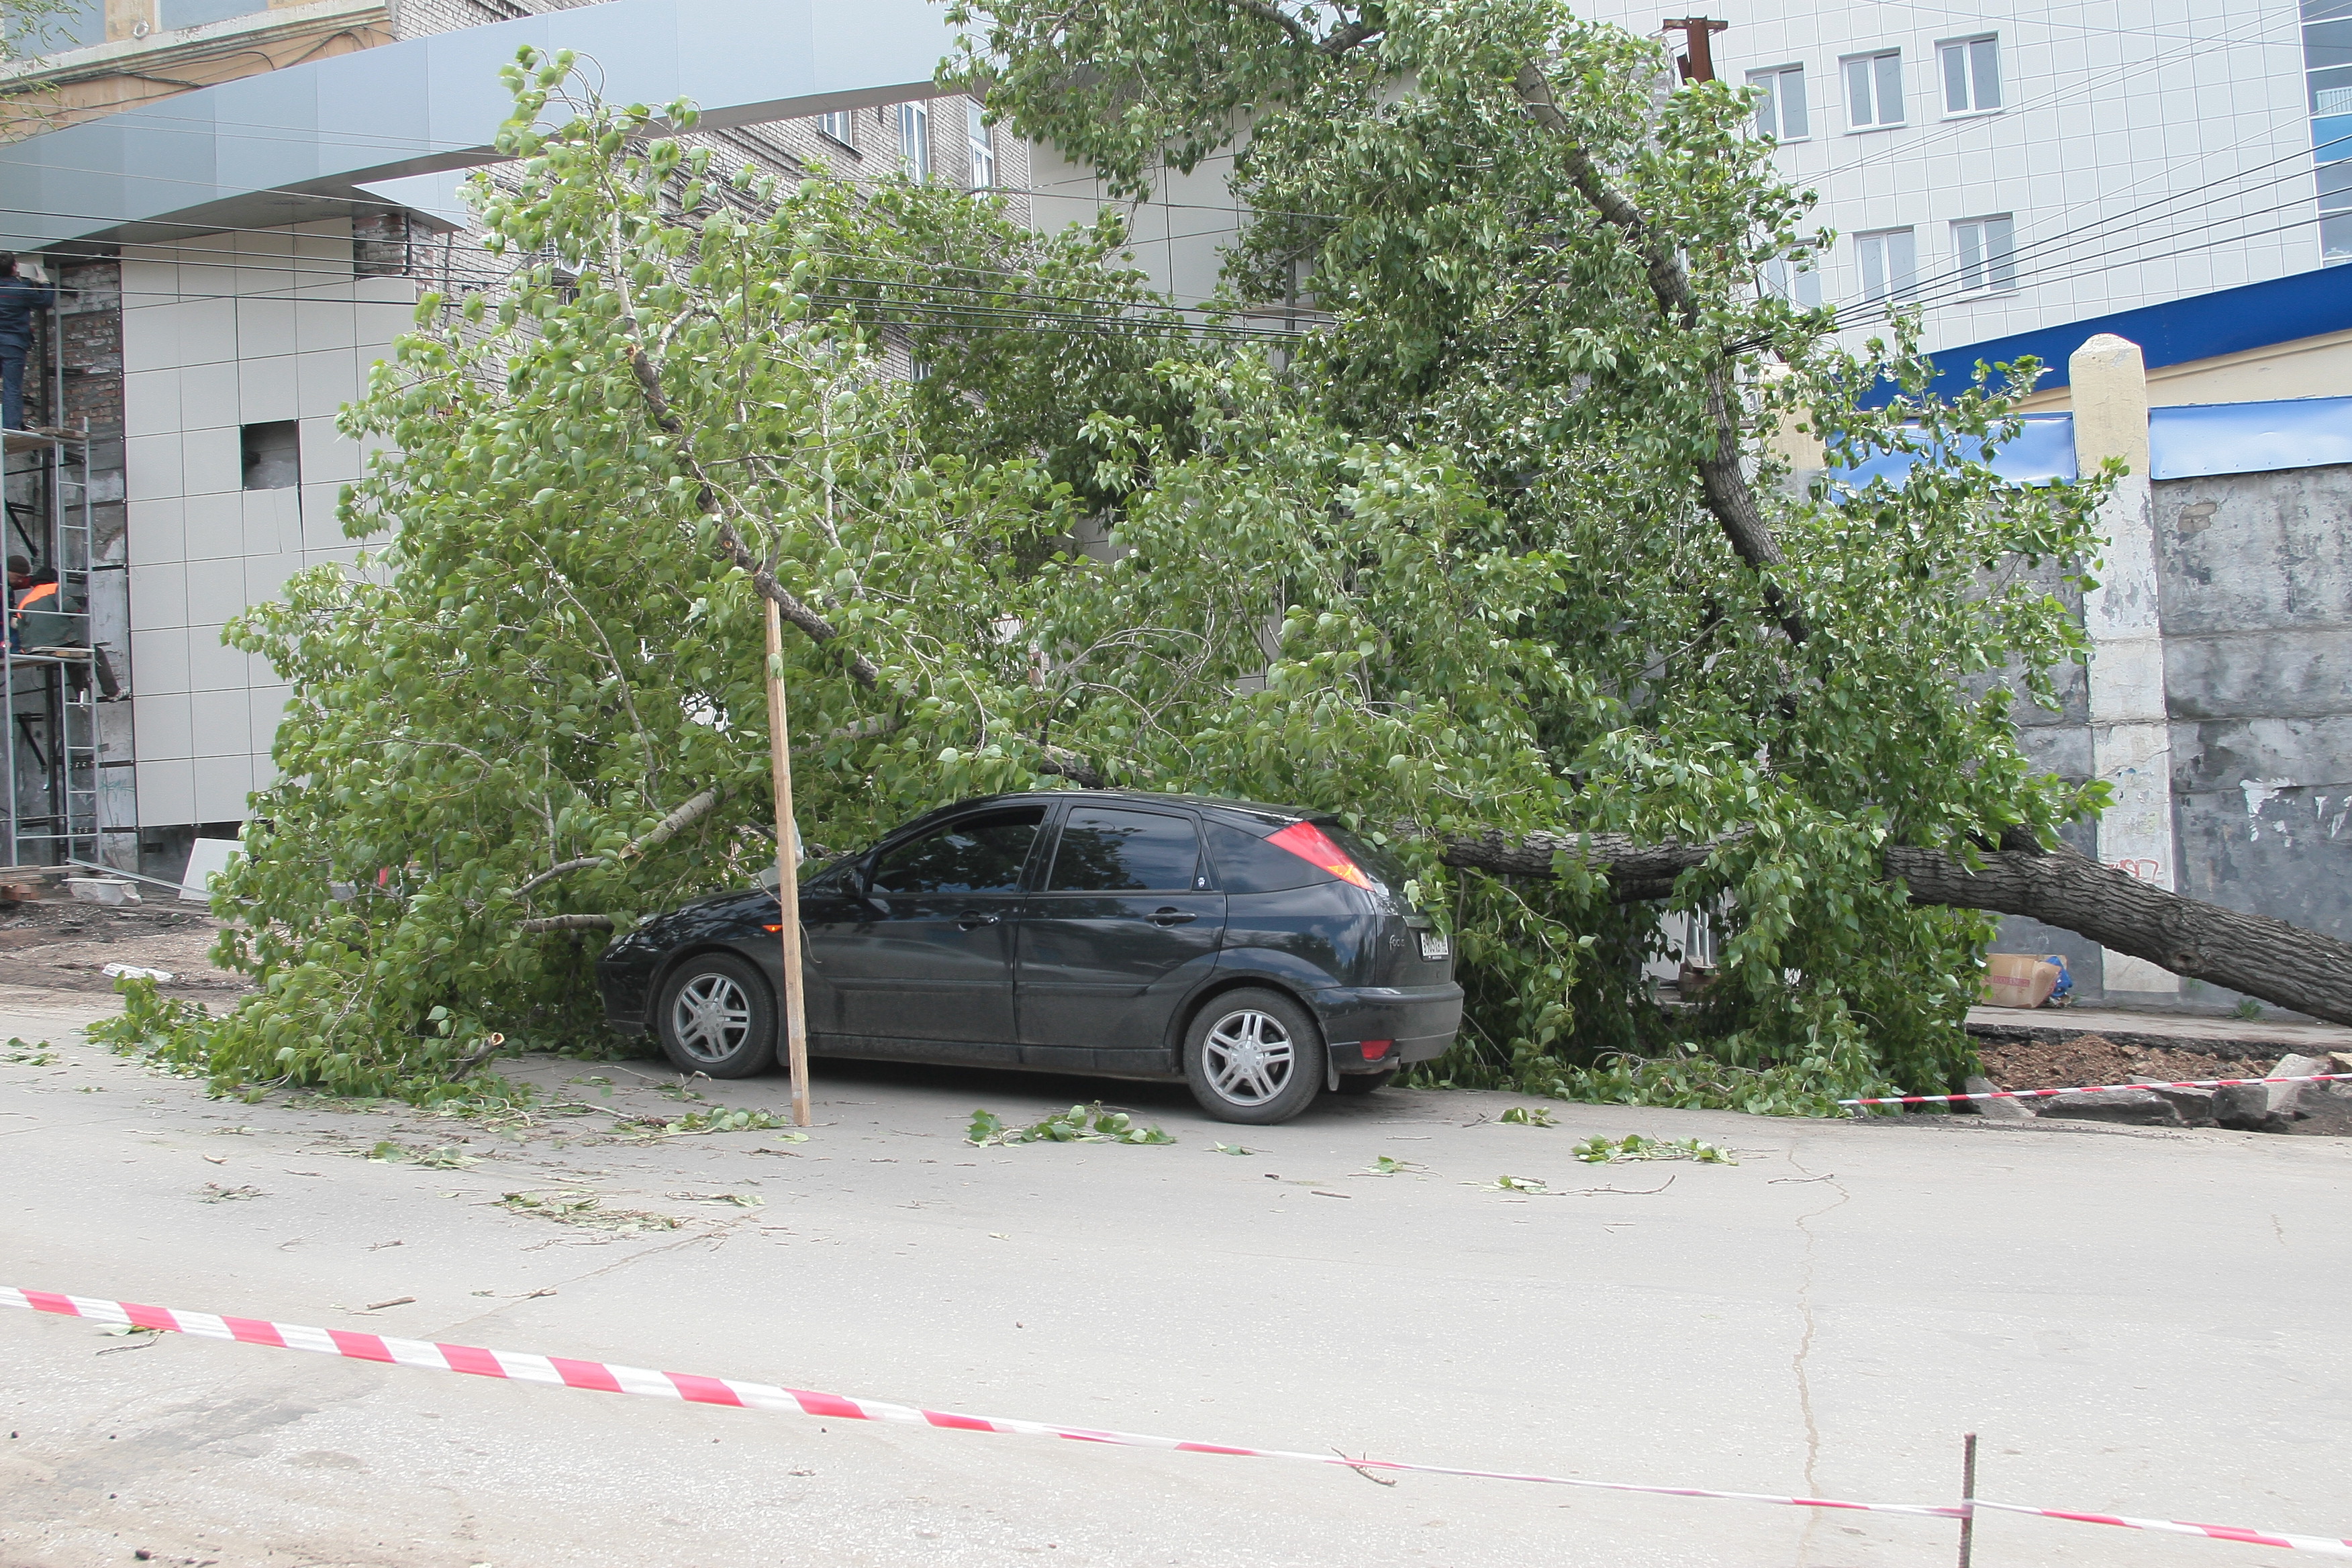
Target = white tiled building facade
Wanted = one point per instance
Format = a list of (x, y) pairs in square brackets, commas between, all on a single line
[(237, 350), (2010, 165), (227, 340)]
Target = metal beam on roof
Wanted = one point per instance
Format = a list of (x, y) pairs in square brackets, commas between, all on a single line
[(298, 144)]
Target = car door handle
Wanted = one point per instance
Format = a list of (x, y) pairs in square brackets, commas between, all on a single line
[(971, 917), (1171, 917)]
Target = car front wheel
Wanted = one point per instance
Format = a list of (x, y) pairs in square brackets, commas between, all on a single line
[(1253, 1056), (716, 1016)]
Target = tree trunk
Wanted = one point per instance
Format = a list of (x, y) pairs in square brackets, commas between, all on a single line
[(2281, 963)]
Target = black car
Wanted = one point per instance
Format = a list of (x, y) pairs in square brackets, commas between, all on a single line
[(1258, 953)]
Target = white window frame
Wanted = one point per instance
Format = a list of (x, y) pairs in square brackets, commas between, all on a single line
[(1881, 76), (915, 140), (841, 126), (1970, 57), (1888, 259), (1800, 283), (982, 144), (1782, 85), (1984, 253)]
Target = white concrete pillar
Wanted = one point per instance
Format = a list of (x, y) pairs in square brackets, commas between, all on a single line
[(2131, 730)]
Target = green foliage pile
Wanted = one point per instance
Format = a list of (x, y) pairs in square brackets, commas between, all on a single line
[(1444, 564), (1079, 1124)]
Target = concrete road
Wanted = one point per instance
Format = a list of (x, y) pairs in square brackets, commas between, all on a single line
[(2137, 1322)]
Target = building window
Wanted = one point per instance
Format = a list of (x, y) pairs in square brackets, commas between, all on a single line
[(1794, 281), (983, 144), (2327, 60), (1890, 263), (2336, 212), (915, 140), (1985, 249), (1873, 89), (840, 127), (1781, 111), (1971, 74), (273, 455)]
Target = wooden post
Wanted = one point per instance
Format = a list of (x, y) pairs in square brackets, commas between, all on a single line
[(788, 874), (1968, 1498)]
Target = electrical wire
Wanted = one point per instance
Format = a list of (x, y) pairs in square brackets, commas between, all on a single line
[(2099, 229), (1913, 300), (1954, 286)]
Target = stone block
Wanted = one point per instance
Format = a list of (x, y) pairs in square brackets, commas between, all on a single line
[(2282, 1095), (2131, 1107), (2246, 1109), (2195, 1105), (1999, 1110)]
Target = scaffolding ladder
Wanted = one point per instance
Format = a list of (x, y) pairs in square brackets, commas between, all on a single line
[(52, 753)]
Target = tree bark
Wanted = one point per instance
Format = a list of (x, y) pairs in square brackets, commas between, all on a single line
[(2281, 963)]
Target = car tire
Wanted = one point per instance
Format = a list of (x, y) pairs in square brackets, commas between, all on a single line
[(1365, 1082), (1255, 1057), (717, 1017)]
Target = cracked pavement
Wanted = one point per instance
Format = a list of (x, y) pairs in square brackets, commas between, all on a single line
[(2134, 1322)]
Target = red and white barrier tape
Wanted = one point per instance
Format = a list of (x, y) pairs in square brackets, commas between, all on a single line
[(2095, 1088), (2327, 1545), (607, 1378)]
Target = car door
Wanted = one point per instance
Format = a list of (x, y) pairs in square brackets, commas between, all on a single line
[(1122, 926), (920, 964)]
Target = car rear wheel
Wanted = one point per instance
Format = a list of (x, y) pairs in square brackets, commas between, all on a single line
[(1365, 1082), (1253, 1056), (716, 1016)]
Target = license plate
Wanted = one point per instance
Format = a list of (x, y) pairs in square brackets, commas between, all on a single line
[(1435, 944)]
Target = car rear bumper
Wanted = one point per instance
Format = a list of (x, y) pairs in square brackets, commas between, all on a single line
[(1420, 1019)]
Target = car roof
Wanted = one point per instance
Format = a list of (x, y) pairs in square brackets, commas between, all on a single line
[(1255, 813)]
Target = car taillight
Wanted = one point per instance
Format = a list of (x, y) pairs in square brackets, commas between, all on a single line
[(1314, 845), (1375, 1049)]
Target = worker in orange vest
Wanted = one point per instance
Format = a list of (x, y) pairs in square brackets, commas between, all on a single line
[(39, 601)]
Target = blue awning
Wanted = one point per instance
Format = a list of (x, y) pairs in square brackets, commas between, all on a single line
[(2041, 454), (2249, 437), (2184, 443)]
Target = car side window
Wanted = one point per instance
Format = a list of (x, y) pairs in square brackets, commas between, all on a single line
[(1109, 851), (973, 854), (1247, 863)]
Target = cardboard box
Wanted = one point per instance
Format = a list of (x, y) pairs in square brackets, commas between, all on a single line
[(2017, 979)]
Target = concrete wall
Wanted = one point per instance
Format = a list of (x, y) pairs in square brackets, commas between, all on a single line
[(2252, 585)]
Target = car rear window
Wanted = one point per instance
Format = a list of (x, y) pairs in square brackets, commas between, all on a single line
[(1247, 863), (1106, 851)]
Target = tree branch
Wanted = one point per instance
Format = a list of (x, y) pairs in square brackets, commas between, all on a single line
[(1722, 480), (662, 832), (568, 923), (788, 604)]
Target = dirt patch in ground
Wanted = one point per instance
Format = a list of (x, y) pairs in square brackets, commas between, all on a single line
[(66, 945), (2321, 1110), (2084, 1059)]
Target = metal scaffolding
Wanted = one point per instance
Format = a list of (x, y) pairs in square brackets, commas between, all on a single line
[(51, 810)]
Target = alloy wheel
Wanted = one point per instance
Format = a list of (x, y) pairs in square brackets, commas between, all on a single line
[(711, 1018), (1249, 1057)]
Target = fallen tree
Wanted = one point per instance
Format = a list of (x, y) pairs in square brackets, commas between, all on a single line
[(1498, 548), (2277, 961)]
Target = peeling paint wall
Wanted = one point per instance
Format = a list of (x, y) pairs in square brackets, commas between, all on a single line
[(2254, 588), (2257, 615)]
